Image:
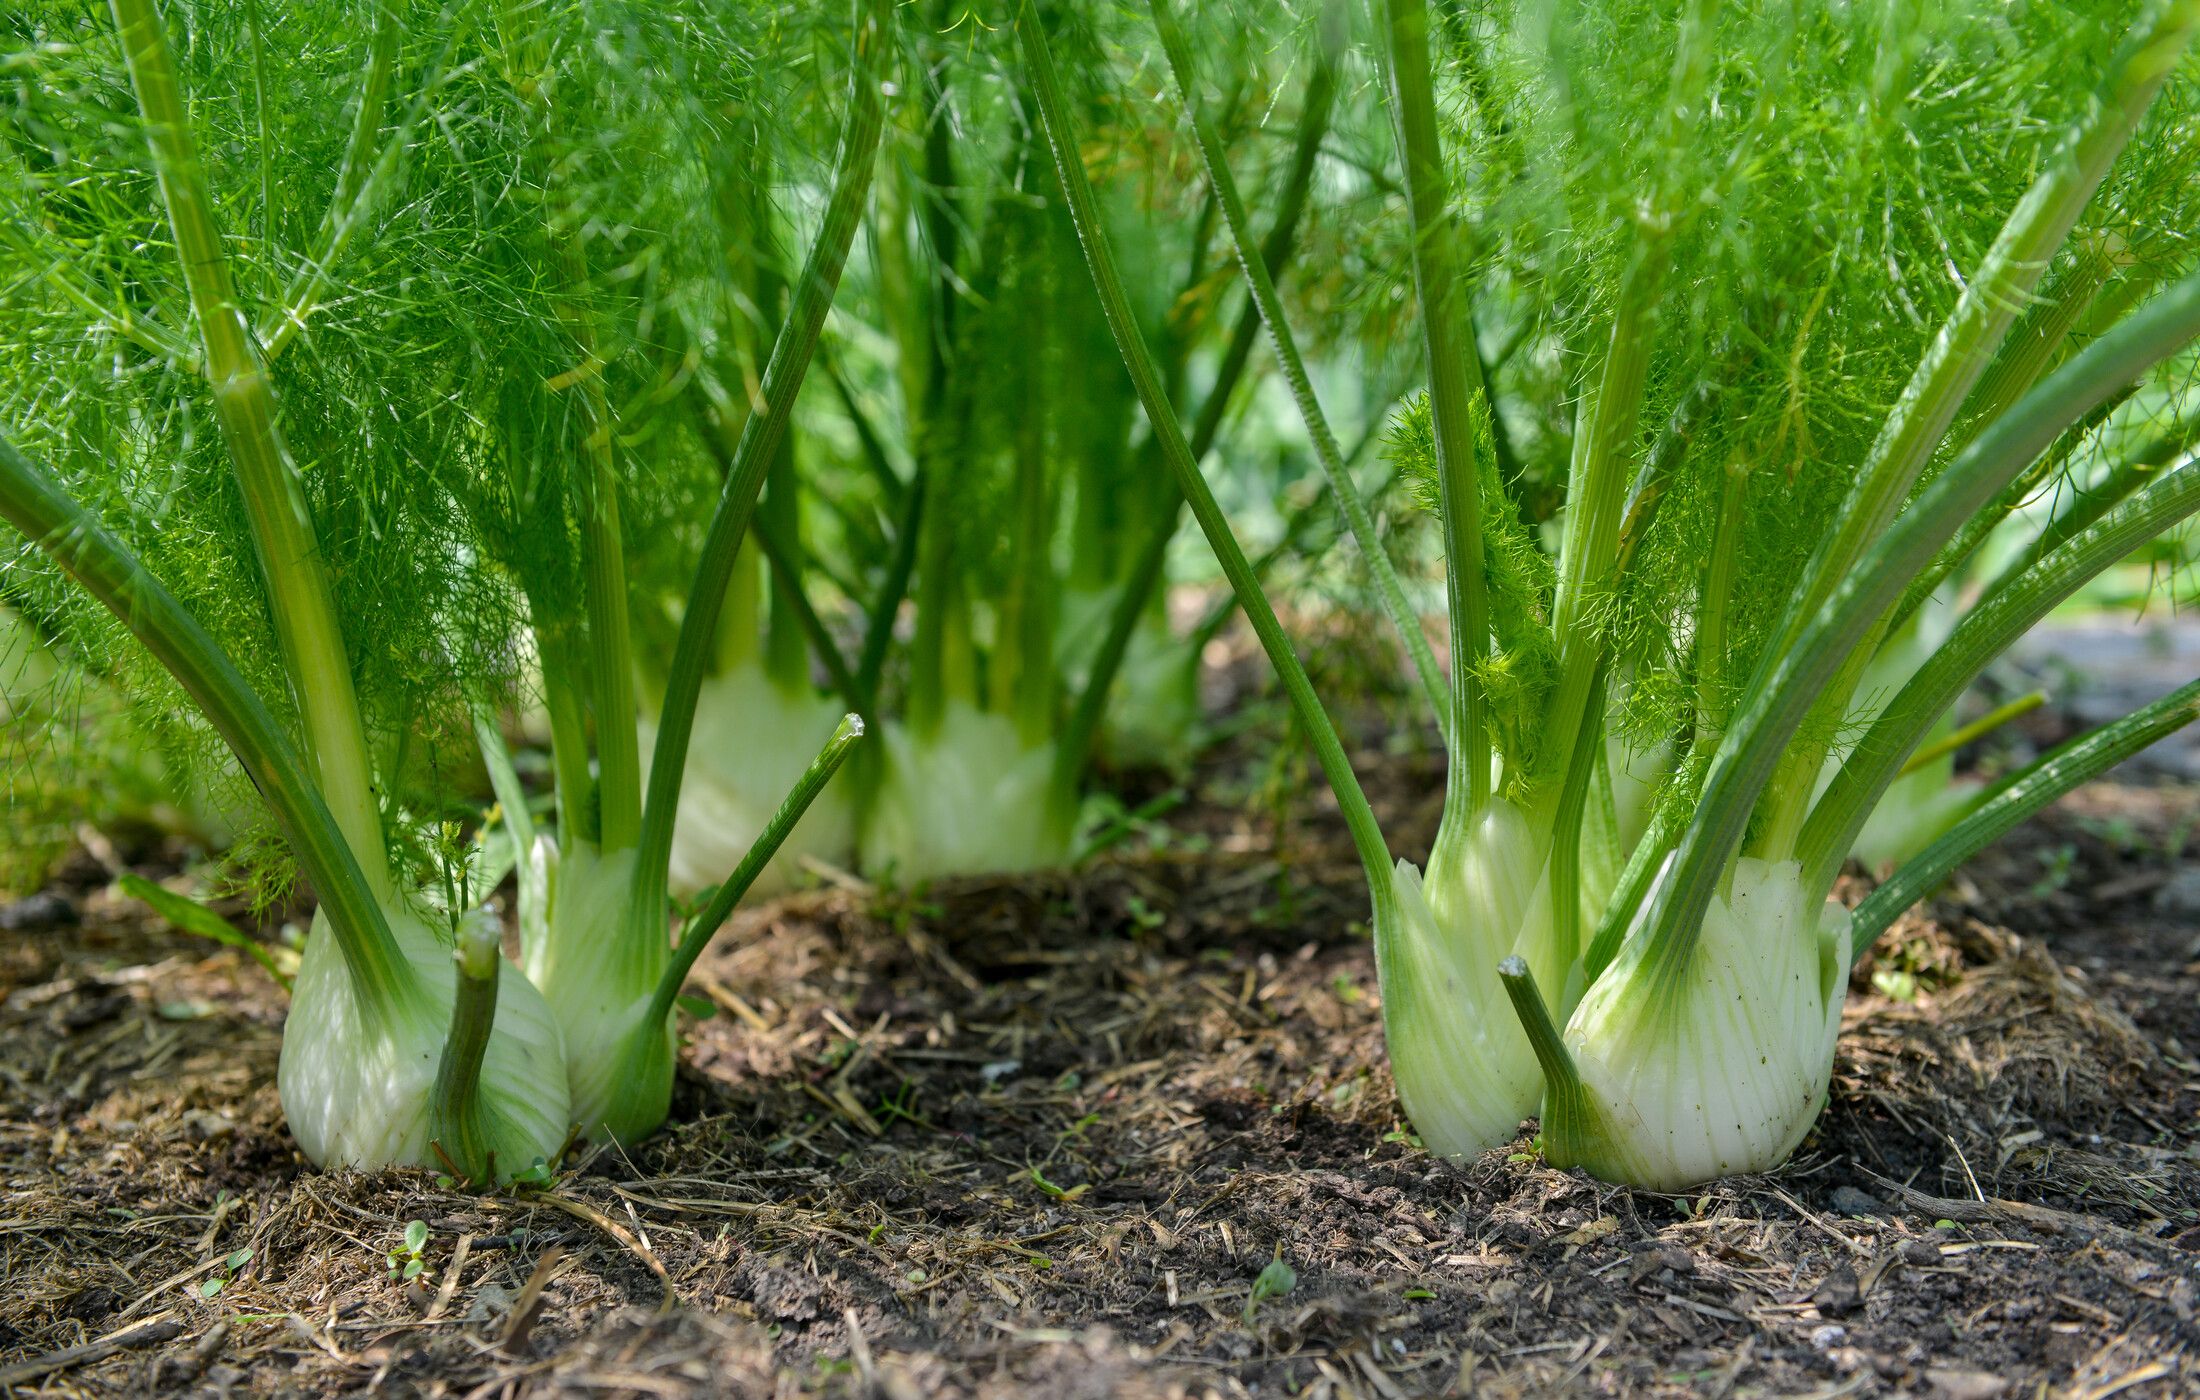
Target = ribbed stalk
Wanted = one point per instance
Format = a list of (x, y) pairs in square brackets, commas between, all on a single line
[(35, 504), (1269, 305), (1788, 687), (760, 435), (2090, 503), (1985, 632), (346, 211), (454, 1105), (1994, 294), (704, 925), (1177, 453), (1142, 583), (299, 597), (2079, 761), (1454, 384), (2016, 494), (1971, 733), (1566, 1105)]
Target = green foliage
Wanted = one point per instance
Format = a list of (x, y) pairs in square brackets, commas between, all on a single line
[(1522, 664)]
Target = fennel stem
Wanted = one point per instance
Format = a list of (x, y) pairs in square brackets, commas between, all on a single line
[(706, 923), (1791, 682), (1143, 582), (454, 1103), (752, 455), (299, 595), (1990, 627), (1260, 283), (1454, 382), (36, 504), (1138, 360), (2018, 797)]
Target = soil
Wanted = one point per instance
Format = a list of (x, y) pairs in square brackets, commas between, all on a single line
[(1047, 1135)]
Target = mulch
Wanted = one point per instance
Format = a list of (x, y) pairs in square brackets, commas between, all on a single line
[(1043, 1135)]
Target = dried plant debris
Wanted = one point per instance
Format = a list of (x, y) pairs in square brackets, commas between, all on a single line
[(1053, 1136)]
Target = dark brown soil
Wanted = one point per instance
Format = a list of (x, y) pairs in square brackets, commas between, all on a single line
[(1043, 1136)]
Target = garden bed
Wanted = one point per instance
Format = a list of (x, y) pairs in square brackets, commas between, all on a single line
[(1048, 1133)]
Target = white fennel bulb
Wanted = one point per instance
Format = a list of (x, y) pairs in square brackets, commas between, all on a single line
[(1466, 1074), (599, 983), (357, 1076), (971, 798), (752, 740), (1720, 1065)]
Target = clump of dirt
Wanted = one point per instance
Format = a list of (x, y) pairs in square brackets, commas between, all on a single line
[(1052, 1135)]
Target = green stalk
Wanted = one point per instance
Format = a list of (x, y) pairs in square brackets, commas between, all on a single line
[(1219, 615), (1573, 805), (504, 781), (873, 451), (778, 523), (610, 641), (1566, 1103), (1976, 530), (347, 206), (1974, 731), (785, 564), (1146, 379), (1712, 704), (2078, 761), (1143, 582), (1994, 293), (787, 586), (1661, 467), (454, 1105), (1597, 483), (1985, 632), (36, 505), (1667, 821), (147, 333), (1597, 492), (1791, 682), (1270, 307), (526, 59), (778, 529), (760, 435), (2089, 504), (938, 423), (1024, 670), (1454, 384), (700, 929), (298, 591), (2037, 341), (885, 606), (561, 701)]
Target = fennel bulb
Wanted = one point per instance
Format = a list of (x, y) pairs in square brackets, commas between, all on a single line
[(1720, 1067), (618, 1067), (970, 798), (1465, 1072), (753, 738), (357, 1078)]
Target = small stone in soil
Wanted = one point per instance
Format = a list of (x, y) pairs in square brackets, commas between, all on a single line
[(2179, 896), (1920, 1252), (1949, 1383), (42, 910), (1837, 1292), (1649, 1258), (1849, 1201), (201, 1126)]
